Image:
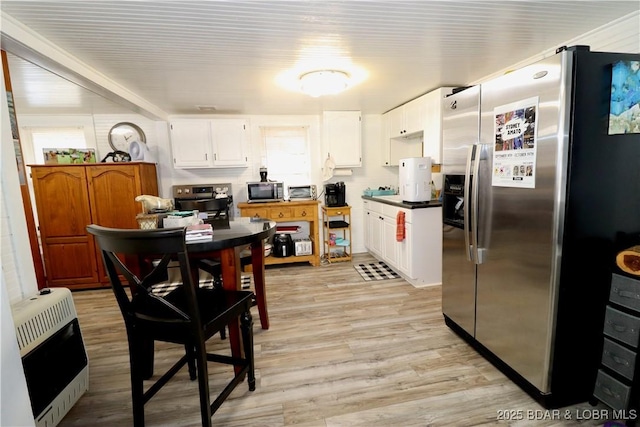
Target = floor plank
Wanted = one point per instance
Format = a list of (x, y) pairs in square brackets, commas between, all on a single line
[(340, 352)]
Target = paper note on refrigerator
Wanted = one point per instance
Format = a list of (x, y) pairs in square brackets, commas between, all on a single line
[(514, 154)]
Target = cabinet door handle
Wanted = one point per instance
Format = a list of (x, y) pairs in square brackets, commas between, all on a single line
[(618, 360), (304, 213), (206, 156), (618, 327), (609, 392), (215, 156), (626, 294), (256, 216), (280, 215)]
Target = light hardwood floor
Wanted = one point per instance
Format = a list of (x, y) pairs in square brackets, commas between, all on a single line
[(340, 352)]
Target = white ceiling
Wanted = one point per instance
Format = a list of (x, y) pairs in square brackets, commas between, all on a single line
[(181, 54)]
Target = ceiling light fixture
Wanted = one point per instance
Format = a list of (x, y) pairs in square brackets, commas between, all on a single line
[(324, 82)]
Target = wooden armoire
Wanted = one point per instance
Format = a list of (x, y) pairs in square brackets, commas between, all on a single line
[(70, 197)]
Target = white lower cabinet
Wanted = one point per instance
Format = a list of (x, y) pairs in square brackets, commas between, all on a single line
[(372, 229), (390, 245), (418, 257), (404, 251)]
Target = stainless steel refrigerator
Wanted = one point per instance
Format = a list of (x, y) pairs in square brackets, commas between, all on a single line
[(535, 191)]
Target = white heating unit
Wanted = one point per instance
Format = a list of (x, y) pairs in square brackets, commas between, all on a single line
[(53, 354)]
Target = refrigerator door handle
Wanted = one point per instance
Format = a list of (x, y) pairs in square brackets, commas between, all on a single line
[(478, 254), (465, 203)]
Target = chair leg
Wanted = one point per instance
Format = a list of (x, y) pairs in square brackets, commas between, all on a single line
[(137, 351), (217, 284), (203, 384), (246, 327), (191, 361), (145, 354)]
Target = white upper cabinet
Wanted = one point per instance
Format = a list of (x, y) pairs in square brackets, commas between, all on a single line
[(432, 137), (395, 121), (407, 119), (414, 116), (230, 140), (342, 136), (394, 149), (216, 143), (414, 129), (191, 143)]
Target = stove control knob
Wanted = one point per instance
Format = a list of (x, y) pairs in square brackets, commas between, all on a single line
[(179, 191), (186, 191)]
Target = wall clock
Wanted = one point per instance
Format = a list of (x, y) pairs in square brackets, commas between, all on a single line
[(122, 134)]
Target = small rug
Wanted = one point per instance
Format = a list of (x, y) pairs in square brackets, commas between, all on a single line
[(376, 271), (165, 288)]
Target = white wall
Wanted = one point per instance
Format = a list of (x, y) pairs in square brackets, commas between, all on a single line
[(18, 276), (371, 174)]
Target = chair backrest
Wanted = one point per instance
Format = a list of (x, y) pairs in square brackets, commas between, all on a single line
[(137, 248)]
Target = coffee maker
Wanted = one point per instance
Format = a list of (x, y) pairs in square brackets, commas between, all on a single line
[(335, 195)]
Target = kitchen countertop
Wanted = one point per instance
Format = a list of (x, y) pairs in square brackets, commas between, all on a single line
[(396, 200)]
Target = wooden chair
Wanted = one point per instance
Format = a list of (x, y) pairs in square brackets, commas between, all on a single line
[(188, 315)]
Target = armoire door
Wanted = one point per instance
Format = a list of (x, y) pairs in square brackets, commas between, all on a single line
[(62, 204), (112, 193)]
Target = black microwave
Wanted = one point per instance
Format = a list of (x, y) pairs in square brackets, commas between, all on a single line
[(271, 191)]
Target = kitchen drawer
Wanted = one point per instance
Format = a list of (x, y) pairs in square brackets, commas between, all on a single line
[(305, 212), (618, 358), (373, 206), (256, 212), (392, 211), (622, 326), (611, 391), (625, 291), (281, 213)]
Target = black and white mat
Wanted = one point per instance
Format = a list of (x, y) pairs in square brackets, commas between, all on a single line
[(376, 271), (164, 288)]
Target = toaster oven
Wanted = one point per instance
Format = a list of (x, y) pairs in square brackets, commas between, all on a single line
[(302, 192)]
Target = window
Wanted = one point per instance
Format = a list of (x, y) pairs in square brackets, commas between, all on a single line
[(55, 138), (287, 155)]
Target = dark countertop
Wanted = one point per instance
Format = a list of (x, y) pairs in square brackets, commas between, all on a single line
[(388, 200)]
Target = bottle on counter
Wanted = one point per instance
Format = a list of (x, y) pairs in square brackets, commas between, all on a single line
[(434, 192)]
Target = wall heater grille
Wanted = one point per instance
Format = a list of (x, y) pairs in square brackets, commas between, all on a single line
[(53, 354)]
